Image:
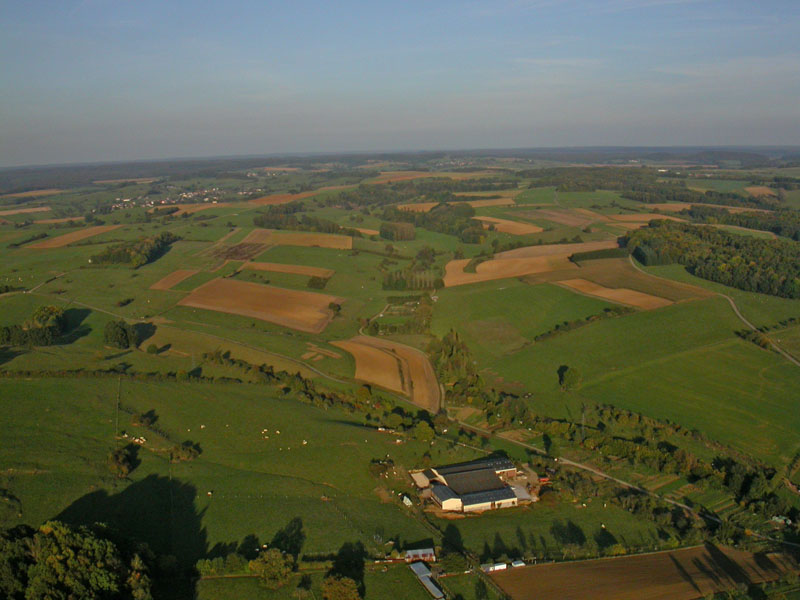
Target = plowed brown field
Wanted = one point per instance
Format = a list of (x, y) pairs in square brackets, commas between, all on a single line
[(304, 311), (397, 367), (322, 240), (62, 220), (511, 227), (295, 269), (620, 295), (367, 231), (678, 575), (74, 236), (556, 249), (172, 279), (760, 190), (34, 193)]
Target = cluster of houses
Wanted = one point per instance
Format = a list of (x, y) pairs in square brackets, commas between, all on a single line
[(474, 486)]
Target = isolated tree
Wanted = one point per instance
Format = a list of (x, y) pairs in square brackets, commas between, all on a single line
[(49, 316), (119, 334), (122, 461), (569, 378), (339, 588), (273, 568), (423, 432)]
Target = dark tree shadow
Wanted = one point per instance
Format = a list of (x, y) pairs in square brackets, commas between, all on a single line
[(684, 573), (452, 540), (290, 539), (144, 331), (156, 510), (561, 371), (722, 562), (132, 452), (249, 547), (349, 562), (567, 533), (604, 538), (8, 354), (74, 327)]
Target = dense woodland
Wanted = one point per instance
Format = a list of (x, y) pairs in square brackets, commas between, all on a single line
[(783, 222), (747, 263), (136, 253)]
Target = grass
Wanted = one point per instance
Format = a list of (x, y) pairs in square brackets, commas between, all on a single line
[(759, 309), (500, 317), (660, 363), (56, 441), (378, 585)]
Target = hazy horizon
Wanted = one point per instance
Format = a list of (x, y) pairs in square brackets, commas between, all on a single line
[(98, 81)]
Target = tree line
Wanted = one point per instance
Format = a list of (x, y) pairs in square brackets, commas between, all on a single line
[(747, 263)]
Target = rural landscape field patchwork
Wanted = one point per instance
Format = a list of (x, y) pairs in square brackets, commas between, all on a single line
[(237, 366)]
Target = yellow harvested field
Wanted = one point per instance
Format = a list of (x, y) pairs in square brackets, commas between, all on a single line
[(62, 220), (556, 249), (295, 269), (670, 206), (418, 207), (395, 366), (619, 295), (367, 231), (190, 208), (375, 366), (321, 240), (491, 202), (563, 216), (643, 218), (686, 574), (530, 260), (134, 180), (74, 236), (173, 279), (304, 311), (760, 190), (511, 227), (679, 206), (392, 176), (504, 268), (23, 211), (274, 199), (34, 193)]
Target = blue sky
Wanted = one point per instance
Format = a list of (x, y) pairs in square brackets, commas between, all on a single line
[(99, 80)]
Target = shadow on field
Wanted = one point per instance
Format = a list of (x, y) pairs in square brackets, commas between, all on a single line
[(7, 355), (156, 510), (74, 327), (144, 331), (349, 562)]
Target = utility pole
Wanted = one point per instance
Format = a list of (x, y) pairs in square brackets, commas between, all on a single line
[(116, 418)]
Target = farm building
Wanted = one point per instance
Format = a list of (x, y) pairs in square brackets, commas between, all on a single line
[(473, 486), (423, 573), (426, 554)]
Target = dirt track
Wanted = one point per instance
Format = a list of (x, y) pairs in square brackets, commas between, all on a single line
[(678, 575)]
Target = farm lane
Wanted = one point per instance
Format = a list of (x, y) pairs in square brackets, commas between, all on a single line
[(736, 311)]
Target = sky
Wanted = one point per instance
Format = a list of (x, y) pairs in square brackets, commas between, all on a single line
[(106, 80)]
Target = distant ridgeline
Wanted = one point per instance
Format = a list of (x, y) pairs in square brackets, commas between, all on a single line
[(751, 264), (136, 253), (643, 185)]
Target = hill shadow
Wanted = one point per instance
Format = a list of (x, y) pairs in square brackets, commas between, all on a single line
[(9, 354), (156, 510)]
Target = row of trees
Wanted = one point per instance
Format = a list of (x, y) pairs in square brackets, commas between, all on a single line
[(747, 263), (136, 253)]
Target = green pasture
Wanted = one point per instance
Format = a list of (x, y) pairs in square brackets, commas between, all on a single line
[(498, 318), (759, 309), (378, 585), (59, 431)]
